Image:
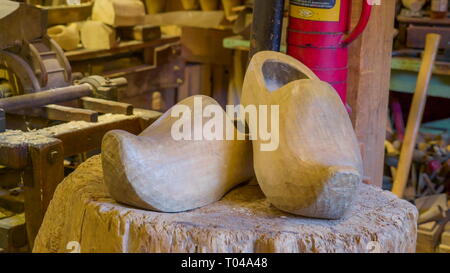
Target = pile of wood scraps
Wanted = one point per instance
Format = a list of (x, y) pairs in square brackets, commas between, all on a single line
[(417, 165), (427, 186), (430, 168), (433, 231)]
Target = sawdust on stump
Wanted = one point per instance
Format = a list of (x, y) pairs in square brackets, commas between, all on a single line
[(82, 212)]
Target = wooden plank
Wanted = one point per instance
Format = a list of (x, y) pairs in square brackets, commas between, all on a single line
[(106, 106), (146, 33), (40, 181), (368, 92), (92, 136), (123, 47), (13, 155), (429, 235), (142, 33), (58, 112), (413, 65), (416, 114), (423, 20), (63, 113), (416, 36), (13, 233), (10, 202), (64, 14), (147, 117), (9, 178)]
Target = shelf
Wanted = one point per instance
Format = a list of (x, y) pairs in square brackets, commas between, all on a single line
[(123, 47), (404, 71), (423, 20)]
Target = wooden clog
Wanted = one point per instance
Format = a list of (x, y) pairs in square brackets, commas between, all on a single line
[(208, 5), (156, 172), (317, 166), (119, 13), (190, 4)]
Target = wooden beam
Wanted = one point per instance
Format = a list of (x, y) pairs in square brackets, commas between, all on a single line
[(368, 94), (92, 136), (12, 233), (9, 178), (106, 106), (61, 15), (140, 33), (2, 121), (13, 155), (63, 113), (58, 112), (40, 181), (416, 114)]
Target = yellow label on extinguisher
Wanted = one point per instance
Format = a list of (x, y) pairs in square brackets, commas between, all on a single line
[(316, 10)]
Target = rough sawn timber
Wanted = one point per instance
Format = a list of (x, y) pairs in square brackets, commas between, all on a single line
[(243, 221)]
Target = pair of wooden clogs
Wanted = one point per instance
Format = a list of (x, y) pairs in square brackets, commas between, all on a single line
[(313, 172)]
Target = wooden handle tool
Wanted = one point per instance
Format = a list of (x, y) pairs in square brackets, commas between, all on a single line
[(416, 113)]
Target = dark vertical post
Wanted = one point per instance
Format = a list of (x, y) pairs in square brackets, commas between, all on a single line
[(2, 121), (40, 181), (267, 25)]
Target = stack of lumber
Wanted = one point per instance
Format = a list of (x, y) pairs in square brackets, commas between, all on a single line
[(428, 187)]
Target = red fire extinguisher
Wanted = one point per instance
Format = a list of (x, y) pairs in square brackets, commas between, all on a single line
[(318, 37)]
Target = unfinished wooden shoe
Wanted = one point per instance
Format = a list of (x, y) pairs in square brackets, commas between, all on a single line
[(156, 172), (317, 166), (119, 13), (96, 35), (208, 5), (67, 37), (190, 4), (155, 6)]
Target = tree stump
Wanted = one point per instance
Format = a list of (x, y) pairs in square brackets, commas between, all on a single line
[(82, 216)]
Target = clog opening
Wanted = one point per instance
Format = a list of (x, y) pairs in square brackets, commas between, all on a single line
[(277, 74)]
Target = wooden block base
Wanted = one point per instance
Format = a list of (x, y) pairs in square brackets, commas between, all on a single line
[(243, 221)]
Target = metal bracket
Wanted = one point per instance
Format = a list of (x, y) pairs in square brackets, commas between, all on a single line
[(105, 88)]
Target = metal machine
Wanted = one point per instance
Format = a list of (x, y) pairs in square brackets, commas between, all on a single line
[(31, 64)]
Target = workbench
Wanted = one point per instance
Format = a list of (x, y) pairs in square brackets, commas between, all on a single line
[(35, 159)]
